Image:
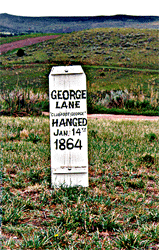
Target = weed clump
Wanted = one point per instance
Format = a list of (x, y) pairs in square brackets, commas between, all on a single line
[(33, 138), (20, 53), (131, 241), (148, 159), (151, 136)]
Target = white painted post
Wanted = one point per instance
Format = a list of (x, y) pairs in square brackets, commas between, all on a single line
[(68, 126)]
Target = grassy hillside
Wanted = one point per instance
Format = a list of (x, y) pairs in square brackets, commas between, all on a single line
[(116, 47), (117, 211), (127, 60)]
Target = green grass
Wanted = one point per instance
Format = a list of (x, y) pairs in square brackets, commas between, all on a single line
[(25, 77), (98, 79), (119, 209), (34, 78), (131, 48), (112, 59)]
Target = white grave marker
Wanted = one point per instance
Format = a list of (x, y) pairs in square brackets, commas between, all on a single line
[(68, 126)]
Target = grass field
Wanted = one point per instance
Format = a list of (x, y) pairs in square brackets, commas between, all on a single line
[(128, 47), (119, 209), (113, 60)]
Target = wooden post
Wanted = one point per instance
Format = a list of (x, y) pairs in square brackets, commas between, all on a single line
[(68, 126)]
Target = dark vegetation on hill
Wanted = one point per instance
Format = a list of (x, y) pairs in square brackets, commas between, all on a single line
[(22, 24)]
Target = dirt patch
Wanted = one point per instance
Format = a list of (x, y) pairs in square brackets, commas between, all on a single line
[(123, 117), (26, 42), (117, 117)]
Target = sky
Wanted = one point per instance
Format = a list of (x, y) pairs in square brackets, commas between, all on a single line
[(79, 8)]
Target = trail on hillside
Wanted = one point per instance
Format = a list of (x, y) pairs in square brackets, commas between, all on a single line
[(26, 42), (121, 68)]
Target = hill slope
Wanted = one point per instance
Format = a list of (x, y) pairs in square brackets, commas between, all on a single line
[(19, 24)]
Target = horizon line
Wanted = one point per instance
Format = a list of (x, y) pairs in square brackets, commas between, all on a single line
[(84, 16)]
